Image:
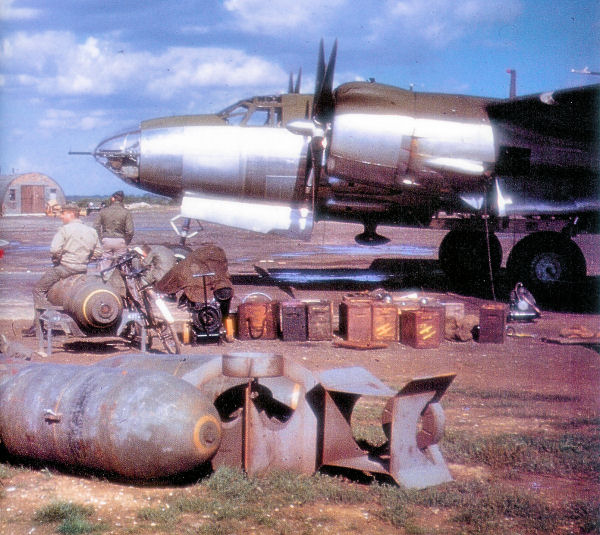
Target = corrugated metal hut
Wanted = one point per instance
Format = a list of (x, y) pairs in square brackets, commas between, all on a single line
[(28, 193)]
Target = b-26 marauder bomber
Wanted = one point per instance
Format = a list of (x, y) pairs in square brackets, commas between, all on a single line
[(376, 154)]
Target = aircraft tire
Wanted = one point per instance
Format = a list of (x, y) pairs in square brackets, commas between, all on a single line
[(544, 262), (463, 256)]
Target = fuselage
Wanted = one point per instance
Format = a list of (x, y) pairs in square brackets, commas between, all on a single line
[(392, 155)]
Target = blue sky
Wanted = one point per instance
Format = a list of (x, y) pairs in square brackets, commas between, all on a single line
[(73, 72)]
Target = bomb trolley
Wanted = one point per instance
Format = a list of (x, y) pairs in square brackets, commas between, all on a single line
[(114, 303)]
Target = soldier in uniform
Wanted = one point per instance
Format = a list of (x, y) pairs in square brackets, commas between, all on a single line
[(72, 248), (114, 225), (158, 260)]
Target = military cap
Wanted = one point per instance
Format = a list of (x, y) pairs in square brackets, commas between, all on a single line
[(119, 195), (71, 207)]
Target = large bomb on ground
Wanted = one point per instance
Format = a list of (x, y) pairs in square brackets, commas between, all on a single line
[(138, 424)]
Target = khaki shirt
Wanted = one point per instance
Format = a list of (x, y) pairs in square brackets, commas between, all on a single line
[(74, 245), (160, 260), (115, 221)]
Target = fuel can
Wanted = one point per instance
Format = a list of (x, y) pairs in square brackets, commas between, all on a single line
[(319, 318), (422, 329), (292, 321), (492, 322)]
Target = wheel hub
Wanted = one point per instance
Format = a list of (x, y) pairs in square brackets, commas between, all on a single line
[(547, 267)]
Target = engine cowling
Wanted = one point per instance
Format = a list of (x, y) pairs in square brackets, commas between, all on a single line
[(401, 140)]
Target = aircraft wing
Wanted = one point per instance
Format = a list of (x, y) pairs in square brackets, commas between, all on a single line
[(571, 115)]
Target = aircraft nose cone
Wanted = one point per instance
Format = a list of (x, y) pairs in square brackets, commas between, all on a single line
[(120, 154)]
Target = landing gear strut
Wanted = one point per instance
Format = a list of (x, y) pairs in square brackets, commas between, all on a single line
[(369, 236), (181, 251)]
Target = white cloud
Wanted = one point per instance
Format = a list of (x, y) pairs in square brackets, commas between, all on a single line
[(187, 68), (279, 16), (439, 22), (20, 164), (57, 119), (407, 22), (55, 63), (8, 11)]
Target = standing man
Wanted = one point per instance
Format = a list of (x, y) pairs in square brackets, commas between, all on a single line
[(114, 225), (71, 250)]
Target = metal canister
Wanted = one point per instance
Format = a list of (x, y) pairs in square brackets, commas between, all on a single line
[(230, 322)]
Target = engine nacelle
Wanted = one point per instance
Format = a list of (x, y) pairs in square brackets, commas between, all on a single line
[(402, 140)]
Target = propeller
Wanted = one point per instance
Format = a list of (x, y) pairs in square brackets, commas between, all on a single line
[(318, 125), (295, 89), (323, 105)]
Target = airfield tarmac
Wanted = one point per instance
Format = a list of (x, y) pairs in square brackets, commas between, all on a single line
[(330, 261), (557, 383)]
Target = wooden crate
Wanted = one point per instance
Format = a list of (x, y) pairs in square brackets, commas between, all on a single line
[(454, 309)]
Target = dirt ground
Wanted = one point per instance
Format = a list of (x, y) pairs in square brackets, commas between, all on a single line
[(551, 385)]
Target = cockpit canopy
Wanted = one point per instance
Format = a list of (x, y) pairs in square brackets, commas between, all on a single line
[(258, 111)]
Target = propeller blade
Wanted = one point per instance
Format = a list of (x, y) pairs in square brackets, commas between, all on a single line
[(323, 110), (320, 76), (320, 115), (298, 81), (328, 82), (291, 83)]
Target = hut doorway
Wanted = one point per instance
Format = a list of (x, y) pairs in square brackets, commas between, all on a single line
[(32, 199)]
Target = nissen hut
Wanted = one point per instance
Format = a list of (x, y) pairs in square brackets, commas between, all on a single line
[(28, 193)]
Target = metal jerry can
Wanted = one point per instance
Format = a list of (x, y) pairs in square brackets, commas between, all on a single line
[(257, 318), (356, 319), (319, 318), (292, 321), (492, 322), (384, 322)]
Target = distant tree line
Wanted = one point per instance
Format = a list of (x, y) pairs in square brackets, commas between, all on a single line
[(83, 200)]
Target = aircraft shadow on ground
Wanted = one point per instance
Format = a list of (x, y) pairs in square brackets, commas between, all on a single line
[(424, 275)]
